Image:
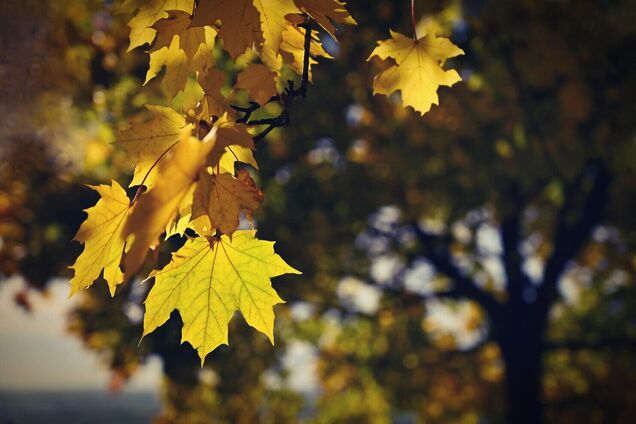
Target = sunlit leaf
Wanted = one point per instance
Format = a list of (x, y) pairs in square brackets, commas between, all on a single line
[(417, 72), (208, 280), (101, 234)]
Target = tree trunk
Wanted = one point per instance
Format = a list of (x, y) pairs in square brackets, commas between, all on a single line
[(521, 348), (523, 384)]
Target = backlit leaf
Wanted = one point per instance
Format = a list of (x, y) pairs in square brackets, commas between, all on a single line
[(213, 103), (178, 171), (240, 26), (149, 12), (273, 23), (417, 72), (208, 280), (259, 82), (146, 142), (326, 11), (221, 197), (184, 51), (101, 234)]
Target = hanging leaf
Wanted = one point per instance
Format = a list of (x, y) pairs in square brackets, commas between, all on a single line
[(208, 280), (103, 241), (418, 71)]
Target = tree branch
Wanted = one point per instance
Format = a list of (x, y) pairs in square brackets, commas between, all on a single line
[(436, 250), (571, 235), (286, 98), (611, 343), (304, 81), (516, 279)]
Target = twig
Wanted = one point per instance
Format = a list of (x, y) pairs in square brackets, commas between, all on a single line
[(286, 98), (307, 46)]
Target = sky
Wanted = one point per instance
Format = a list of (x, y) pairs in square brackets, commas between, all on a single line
[(38, 354)]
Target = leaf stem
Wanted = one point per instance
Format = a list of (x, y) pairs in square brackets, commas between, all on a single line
[(141, 185), (413, 20)]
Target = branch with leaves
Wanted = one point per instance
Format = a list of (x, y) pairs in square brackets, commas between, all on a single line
[(194, 168)]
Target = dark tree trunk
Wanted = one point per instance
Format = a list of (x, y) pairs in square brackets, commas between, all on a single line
[(520, 338), (523, 364)]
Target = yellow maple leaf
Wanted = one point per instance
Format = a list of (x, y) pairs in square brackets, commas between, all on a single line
[(235, 154), (273, 22), (177, 69), (146, 142), (232, 134), (213, 104), (177, 25), (221, 197), (178, 171), (180, 222), (259, 81), (208, 280), (240, 27), (184, 51), (149, 12), (418, 71), (201, 224), (326, 11), (101, 234), (237, 144)]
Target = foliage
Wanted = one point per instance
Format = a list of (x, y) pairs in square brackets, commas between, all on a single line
[(547, 103), (181, 184)]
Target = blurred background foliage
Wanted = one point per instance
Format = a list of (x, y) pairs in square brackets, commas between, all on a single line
[(355, 188)]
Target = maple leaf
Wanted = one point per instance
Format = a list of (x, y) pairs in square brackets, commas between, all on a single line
[(149, 12), (240, 27), (181, 222), (101, 234), (259, 81), (232, 154), (146, 142), (177, 25), (417, 72), (182, 50), (208, 280), (235, 154), (178, 171), (222, 197), (231, 135), (326, 11), (213, 103), (273, 22)]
